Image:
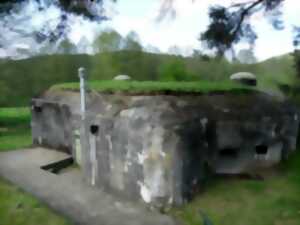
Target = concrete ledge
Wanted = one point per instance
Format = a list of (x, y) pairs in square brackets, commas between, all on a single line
[(69, 195)]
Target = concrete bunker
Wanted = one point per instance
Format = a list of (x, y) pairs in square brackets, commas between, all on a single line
[(158, 148)]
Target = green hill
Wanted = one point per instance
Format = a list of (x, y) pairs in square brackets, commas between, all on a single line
[(21, 80)]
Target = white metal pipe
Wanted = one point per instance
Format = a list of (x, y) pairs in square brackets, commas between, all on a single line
[(81, 74), (93, 156)]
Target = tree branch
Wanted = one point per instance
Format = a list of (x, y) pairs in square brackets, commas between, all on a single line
[(241, 4), (244, 14)]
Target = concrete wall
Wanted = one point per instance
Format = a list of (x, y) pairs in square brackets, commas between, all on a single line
[(51, 125), (245, 147), (159, 149), (141, 157)]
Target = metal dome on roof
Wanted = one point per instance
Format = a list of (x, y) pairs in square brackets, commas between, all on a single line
[(122, 77), (245, 78), (243, 75)]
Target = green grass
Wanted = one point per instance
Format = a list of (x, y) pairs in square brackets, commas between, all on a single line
[(275, 201), (156, 86), (19, 208), (14, 128)]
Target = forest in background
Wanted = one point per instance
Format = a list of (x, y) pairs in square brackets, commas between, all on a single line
[(20, 80)]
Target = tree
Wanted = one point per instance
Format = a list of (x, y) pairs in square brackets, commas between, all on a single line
[(228, 25), (67, 47), (88, 8), (175, 71), (132, 42), (13, 11), (231, 25), (108, 41), (197, 54), (103, 67), (297, 62), (3, 93)]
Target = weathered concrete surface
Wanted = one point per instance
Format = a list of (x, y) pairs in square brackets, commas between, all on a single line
[(68, 194), (52, 125), (158, 148)]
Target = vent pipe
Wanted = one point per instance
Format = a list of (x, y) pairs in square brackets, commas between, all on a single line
[(81, 74)]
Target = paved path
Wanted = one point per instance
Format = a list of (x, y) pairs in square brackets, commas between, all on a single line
[(68, 194)]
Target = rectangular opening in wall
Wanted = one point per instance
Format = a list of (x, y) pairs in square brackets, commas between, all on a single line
[(37, 109), (229, 152), (94, 129), (261, 149)]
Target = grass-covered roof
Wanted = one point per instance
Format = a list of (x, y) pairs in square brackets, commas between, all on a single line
[(136, 87)]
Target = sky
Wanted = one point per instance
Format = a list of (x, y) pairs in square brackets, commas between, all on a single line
[(192, 19), (141, 16)]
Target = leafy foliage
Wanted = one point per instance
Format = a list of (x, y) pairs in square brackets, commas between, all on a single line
[(175, 71), (82, 7), (297, 62), (108, 41), (51, 30), (218, 34), (24, 79), (231, 25)]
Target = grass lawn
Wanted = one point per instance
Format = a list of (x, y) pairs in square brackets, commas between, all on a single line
[(157, 86), (14, 128), (17, 207), (275, 201)]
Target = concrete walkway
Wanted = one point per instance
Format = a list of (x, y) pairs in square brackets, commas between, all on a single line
[(68, 194)]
